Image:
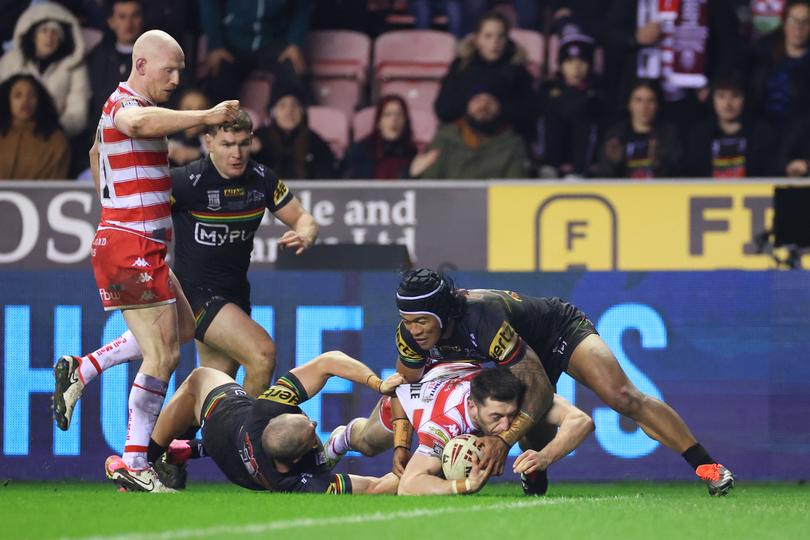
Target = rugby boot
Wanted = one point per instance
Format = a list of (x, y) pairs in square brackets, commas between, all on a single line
[(718, 479), (171, 475), (534, 484), (67, 391), (134, 479), (332, 457)]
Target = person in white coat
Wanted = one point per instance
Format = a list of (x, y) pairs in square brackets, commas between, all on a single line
[(48, 44)]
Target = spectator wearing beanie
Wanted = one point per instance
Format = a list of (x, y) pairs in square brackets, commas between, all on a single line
[(727, 146), (490, 57), (573, 110), (478, 146), (287, 145), (386, 153)]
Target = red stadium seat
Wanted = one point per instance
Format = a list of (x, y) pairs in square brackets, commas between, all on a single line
[(331, 124), (338, 63), (534, 45), (423, 124)]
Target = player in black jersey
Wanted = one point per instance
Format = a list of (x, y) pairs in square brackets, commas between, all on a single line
[(218, 203), (267, 443), (443, 324)]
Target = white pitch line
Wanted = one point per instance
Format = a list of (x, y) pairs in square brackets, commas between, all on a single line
[(259, 528)]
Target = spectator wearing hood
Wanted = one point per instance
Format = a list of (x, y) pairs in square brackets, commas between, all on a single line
[(32, 145), (48, 44), (573, 110), (387, 153), (489, 57), (287, 145), (480, 145)]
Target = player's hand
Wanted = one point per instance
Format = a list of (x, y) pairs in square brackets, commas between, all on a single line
[(494, 451), (215, 57), (296, 57), (797, 168), (401, 458), (479, 474), (293, 240), (649, 33), (530, 461), (223, 112), (389, 385)]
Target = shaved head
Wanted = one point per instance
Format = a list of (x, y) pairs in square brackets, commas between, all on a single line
[(287, 437), (157, 60)]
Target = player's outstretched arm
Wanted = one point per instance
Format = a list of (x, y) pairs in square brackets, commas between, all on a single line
[(159, 122), (421, 477), (371, 485), (574, 426), (314, 374), (303, 228)]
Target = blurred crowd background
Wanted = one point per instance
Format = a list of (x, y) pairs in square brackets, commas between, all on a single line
[(440, 89)]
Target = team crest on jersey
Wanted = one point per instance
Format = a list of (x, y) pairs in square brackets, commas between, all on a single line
[(214, 203), (504, 342), (254, 196)]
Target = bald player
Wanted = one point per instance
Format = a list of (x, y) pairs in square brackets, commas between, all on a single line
[(131, 172)]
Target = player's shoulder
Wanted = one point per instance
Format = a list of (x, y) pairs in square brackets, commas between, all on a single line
[(407, 347), (189, 175)]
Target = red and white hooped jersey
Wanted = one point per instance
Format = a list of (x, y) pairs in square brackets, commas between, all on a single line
[(134, 173), (437, 405)]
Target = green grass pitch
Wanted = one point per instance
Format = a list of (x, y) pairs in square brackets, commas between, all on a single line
[(599, 511)]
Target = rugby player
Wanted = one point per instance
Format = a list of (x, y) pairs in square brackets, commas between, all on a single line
[(457, 398), (443, 324), (218, 203), (131, 170), (266, 443)]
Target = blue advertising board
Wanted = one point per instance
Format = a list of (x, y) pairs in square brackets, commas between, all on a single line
[(728, 350)]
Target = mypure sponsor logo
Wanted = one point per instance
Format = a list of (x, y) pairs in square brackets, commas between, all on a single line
[(218, 234)]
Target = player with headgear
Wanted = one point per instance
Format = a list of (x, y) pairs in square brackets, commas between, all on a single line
[(443, 324)]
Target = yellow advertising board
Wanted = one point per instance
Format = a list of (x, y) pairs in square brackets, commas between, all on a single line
[(628, 226)]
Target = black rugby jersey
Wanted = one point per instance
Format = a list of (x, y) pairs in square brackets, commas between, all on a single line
[(308, 475), (215, 220), (496, 326)]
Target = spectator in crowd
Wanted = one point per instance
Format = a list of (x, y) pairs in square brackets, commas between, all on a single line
[(111, 61), (727, 146), (240, 41), (188, 145), (780, 71), (479, 145), (794, 155), (573, 109), (49, 45), (489, 57), (287, 145), (386, 153), (640, 147), (32, 145), (461, 14)]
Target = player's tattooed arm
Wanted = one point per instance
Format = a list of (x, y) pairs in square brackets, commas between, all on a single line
[(314, 374), (574, 426)]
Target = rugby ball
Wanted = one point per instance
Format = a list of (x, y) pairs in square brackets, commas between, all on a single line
[(457, 457)]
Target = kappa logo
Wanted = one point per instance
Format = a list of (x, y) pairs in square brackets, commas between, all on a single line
[(194, 178), (140, 262), (259, 169), (144, 278), (147, 296)]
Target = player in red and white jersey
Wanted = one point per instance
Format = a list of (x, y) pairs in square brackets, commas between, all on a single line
[(452, 400), (131, 171)]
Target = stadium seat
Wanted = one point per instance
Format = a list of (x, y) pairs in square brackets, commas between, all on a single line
[(411, 62), (534, 45), (92, 37), (423, 124), (553, 52), (331, 124), (338, 62)]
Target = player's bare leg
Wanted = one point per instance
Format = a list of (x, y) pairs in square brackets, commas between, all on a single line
[(73, 373), (235, 334), (369, 436), (215, 359), (593, 364)]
